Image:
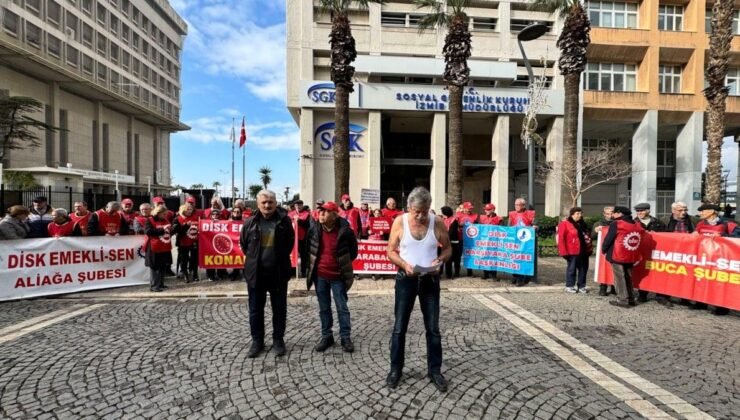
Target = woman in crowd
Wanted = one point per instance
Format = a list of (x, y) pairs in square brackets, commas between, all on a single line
[(158, 247), (236, 214), (574, 244), (185, 226), (14, 225)]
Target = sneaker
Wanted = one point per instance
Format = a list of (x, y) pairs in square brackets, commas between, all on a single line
[(583, 290), (571, 290), (324, 343)]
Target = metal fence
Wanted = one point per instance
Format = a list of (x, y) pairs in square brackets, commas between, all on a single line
[(66, 198)]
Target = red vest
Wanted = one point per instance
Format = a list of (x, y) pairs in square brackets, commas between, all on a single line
[(392, 214), (81, 221), (352, 216), (223, 214), (365, 220), (302, 215), (463, 218), (161, 243), (524, 218), (315, 214), (65, 229), (720, 229), (142, 222), (190, 237), (129, 217), (627, 242), (107, 224), (490, 220)]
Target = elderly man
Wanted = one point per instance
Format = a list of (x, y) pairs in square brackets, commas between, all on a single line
[(390, 211), (81, 218), (679, 220), (413, 247), (348, 211), (603, 225), (61, 224), (650, 224), (267, 242), (333, 247), (108, 221), (39, 218), (128, 212), (621, 247), (521, 216), (145, 212)]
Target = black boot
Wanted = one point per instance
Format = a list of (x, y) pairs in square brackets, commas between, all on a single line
[(255, 349), (602, 289), (324, 343)]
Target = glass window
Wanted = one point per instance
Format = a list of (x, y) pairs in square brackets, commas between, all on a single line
[(113, 24), (53, 45), (34, 6), (102, 14), (670, 18), (102, 72), (125, 6), (87, 64), (71, 23), (517, 25), (732, 81), (135, 63), (87, 34), (615, 77), (135, 40), (125, 58), (10, 22), (53, 12), (666, 158), (669, 79), (393, 19), (114, 52), (612, 15), (735, 22), (484, 24), (125, 33), (33, 35), (102, 44), (72, 56), (87, 6)]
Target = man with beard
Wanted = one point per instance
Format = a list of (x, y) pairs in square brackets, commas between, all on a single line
[(39, 218)]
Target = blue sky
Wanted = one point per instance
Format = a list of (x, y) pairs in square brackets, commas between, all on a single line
[(233, 64)]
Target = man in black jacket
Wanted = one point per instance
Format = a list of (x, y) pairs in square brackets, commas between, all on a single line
[(267, 240), (650, 224), (332, 246)]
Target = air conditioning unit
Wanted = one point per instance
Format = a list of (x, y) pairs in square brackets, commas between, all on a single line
[(69, 32)]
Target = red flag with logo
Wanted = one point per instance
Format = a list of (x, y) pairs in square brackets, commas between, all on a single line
[(243, 134)]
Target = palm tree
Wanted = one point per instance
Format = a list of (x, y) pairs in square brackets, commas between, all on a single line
[(720, 38), (254, 189), (215, 185), (456, 49), (573, 41), (265, 177), (343, 53), (196, 186)]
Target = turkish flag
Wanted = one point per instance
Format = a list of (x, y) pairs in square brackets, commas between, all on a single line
[(243, 135)]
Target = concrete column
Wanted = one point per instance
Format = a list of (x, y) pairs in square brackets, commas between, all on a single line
[(97, 160), (500, 155), (307, 157), (52, 138), (688, 161), (553, 186), (644, 159), (376, 33), (373, 149), (438, 177)]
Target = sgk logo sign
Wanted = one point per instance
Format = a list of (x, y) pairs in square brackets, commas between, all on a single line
[(325, 137), (324, 93)]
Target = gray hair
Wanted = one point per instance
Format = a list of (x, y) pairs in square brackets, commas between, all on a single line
[(679, 204), (520, 200), (59, 211), (419, 197), (217, 200), (267, 193), (113, 205), (609, 208)]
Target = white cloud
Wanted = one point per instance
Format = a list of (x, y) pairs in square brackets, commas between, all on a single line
[(226, 38), (271, 135)]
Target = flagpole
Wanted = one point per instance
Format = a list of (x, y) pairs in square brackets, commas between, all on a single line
[(244, 166), (233, 142)]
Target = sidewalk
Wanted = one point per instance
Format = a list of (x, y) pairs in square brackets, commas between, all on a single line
[(551, 276)]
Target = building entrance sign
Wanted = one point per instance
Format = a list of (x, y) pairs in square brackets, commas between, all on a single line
[(324, 139)]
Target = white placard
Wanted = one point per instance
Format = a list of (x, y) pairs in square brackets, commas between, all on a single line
[(370, 196)]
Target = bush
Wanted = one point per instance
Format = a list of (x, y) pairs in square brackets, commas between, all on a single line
[(546, 225)]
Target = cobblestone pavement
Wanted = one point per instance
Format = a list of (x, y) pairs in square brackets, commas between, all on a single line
[(186, 358)]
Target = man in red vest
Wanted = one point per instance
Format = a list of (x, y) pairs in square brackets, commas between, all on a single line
[(301, 218), (350, 213), (81, 218), (61, 224), (108, 221), (521, 216), (621, 246), (365, 215), (128, 212), (390, 211), (159, 202), (489, 217), (712, 225)]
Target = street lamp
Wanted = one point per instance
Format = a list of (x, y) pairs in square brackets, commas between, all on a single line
[(118, 193), (530, 33)]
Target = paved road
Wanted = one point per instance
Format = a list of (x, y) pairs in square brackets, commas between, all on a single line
[(507, 355)]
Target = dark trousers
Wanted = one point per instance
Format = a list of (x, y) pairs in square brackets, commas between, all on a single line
[(452, 266), (216, 274), (278, 291), (407, 289), (577, 269), (623, 282), (187, 259), (156, 277), (303, 253)]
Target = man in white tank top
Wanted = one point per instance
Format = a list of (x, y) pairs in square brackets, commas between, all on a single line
[(414, 246)]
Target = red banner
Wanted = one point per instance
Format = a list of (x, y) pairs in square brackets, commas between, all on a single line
[(218, 244), (294, 257), (372, 258), (699, 268)]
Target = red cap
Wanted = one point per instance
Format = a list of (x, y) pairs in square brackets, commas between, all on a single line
[(467, 205), (127, 201), (330, 206), (345, 197), (157, 200), (190, 199), (489, 207)]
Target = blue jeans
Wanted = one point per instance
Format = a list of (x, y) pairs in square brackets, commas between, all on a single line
[(407, 288), (579, 264), (324, 291)]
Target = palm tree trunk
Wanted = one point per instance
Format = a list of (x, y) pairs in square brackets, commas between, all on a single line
[(572, 82), (341, 144), (455, 168)]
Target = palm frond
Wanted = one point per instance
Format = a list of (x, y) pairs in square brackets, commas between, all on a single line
[(562, 7), (458, 6), (433, 20)]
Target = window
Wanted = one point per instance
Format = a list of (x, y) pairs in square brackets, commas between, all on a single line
[(670, 18), (33, 35), (102, 72), (732, 81), (135, 40), (102, 14), (114, 52), (669, 79), (125, 59), (401, 20), (114, 80), (144, 49), (34, 6), (484, 24), (609, 14), (113, 24), (87, 64), (144, 73), (594, 145), (135, 15), (72, 56), (71, 26), (735, 22), (53, 45), (135, 66), (666, 158), (53, 12), (125, 33), (102, 45), (614, 77), (518, 24), (87, 34), (10, 23), (87, 6), (126, 86), (125, 4), (144, 24)]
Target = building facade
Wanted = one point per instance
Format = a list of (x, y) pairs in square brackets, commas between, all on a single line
[(642, 89), (108, 73)]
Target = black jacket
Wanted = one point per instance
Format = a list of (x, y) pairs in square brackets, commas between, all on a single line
[(671, 224), (655, 225), (250, 240), (346, 251)]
